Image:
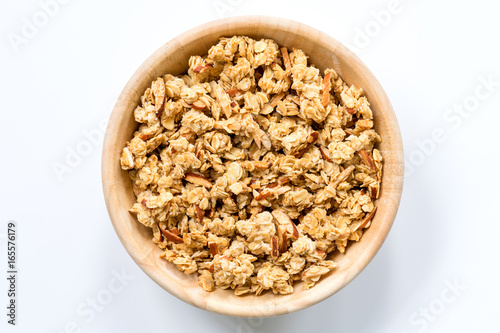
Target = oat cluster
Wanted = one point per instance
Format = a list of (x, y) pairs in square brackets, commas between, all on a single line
[(252, 167)]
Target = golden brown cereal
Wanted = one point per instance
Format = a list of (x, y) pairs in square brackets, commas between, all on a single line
[(253, 166)]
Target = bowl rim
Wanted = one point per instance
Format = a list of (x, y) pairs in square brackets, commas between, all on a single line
[(226, 24)]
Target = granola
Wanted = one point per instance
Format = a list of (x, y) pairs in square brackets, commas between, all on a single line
[(252, 167)]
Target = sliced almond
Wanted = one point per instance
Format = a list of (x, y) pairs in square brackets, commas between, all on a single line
[(260, 165), (198, 105), (343, 176), (272, 185), (283, 180), (327, 84), (286, 221), (366, 219), (175, 231), (200, 213), (253, 185), (263, 195), (276, 99), (373, 192), (233, 92), (274, 244), (145, 137), (350, 110), (324, 153), (301, 152), (286, 59), (282, 238), (171, 236), (211, 269), (159, 93), (197, 149), (197, 179), (313, 137), (144, 202), (202, 68), (214, 249), (367, 159), (296, 100)]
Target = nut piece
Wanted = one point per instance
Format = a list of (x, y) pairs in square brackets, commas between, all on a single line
[(202, 68), (350, 110), (286, 59), (373, 192), (282, 238), (198, 105), (159, 93), (233, 92), (327, 84), (313, 137), (367, 159), (285, 221), (366, 219), (200, 214), (171, 236), (197, 179), (260, 165), (213, 248), (263, 195), (324, 153), (274, 243), (343, 176)]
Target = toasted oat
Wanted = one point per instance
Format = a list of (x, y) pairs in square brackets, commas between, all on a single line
[(253, 167)]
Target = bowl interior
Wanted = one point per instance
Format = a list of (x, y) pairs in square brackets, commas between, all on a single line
[(324, 52)]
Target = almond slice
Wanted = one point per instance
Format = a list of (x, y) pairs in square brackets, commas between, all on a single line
[(260, 165), (285, 221), (366, 219), (373, 192), (233, 92), (159, 92), (145, 137), (313, 137), (323, 151), (197, 149), (327, 84), (283, 180), (296, 100), (202, 68), (198, 105), (272, 185), (200, 213), (263, 195), (197, 179), (282, 238), (276, 99), (286, 60), (214, 249), (350, 110), (343, 176), (171, 236), (175, 231), (274, 243), (367, 159)]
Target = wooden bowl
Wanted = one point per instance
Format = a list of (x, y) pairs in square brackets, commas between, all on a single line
[(324, 52)]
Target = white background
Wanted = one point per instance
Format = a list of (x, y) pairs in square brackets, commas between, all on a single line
[(64, 79)]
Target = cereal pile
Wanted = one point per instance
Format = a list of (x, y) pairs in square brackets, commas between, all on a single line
[(252, 167)]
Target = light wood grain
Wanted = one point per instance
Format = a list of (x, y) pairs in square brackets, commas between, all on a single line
[(325, 52)]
